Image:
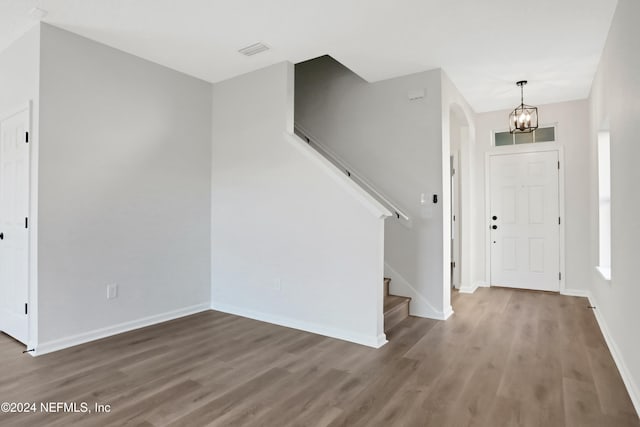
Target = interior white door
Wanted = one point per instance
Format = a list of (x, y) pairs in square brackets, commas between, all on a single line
[(524, 223), (14, 232)]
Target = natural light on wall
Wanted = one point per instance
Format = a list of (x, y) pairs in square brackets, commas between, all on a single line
[(604, 215)]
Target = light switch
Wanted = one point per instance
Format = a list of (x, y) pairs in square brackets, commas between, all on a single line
[(112, 291)]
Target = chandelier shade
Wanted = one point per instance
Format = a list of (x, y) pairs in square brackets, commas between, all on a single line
[(524, 118)]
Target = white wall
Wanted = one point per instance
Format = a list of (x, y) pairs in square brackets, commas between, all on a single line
[(294, 241), (615, 96), (572, 136), (396, 144), (19, 86), (124, 191)]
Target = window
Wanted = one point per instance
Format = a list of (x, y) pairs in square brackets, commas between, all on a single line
[(545, 134), (604, 200)]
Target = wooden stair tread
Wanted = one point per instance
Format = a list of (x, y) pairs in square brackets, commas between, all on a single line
[(393, 301), (396, 308)]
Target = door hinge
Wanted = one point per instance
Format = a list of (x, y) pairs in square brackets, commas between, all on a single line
[(26, 308), (453, 264), (559, 276), (558, 220), (26, 222), (26, 137), (558, 164), (453, 171)]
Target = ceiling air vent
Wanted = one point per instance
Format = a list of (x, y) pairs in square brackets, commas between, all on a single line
[(254, 49)]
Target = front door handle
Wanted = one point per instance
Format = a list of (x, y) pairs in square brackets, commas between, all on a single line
[(495, 227)]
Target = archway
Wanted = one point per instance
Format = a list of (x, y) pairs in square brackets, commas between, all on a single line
[(461, 137)]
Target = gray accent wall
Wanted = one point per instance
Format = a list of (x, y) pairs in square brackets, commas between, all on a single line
[(124, 190)]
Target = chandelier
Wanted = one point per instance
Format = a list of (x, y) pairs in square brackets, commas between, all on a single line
[(524, 118)]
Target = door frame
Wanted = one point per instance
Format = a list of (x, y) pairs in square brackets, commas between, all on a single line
[(32, 251), (456, 227), (521, 149)]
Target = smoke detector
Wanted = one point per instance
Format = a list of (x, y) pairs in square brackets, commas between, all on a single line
[(254, 49)]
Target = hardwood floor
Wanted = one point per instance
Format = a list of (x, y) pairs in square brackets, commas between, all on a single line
[(506, 358)]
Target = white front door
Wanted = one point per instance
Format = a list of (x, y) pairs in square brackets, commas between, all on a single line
[(524, 223), (14, 232)]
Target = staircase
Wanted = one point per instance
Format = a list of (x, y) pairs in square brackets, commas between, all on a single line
[(396, 308)]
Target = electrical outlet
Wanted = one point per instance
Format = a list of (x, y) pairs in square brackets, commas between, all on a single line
[(112, 291), (277, 284)]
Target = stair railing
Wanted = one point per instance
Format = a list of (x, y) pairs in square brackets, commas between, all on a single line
[(349, 171)]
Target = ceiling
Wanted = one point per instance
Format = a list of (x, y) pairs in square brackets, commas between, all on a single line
[(484, 46)]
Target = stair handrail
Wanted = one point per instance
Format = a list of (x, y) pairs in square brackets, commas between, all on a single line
[(349, 171)]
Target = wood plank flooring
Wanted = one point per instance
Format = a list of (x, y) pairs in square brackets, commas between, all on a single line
[(506, 358)]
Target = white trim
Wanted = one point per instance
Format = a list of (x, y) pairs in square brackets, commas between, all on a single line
[(338, 333), (563, 216), (487, 215), (632, 388), (469, 289), (575, 293), (120, 328), (605, 273), (456, 226), (358, 192), (448, 312), (380, 274), (34, 151), (520, 149)]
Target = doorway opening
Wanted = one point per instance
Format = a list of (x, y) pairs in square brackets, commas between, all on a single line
[(460, 160)]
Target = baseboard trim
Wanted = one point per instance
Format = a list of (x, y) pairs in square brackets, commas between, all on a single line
[(96, 334), (632, 388), (474, 287), (341, 334), (468, 289), (575, 293), (448, 312), (382, 340)]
